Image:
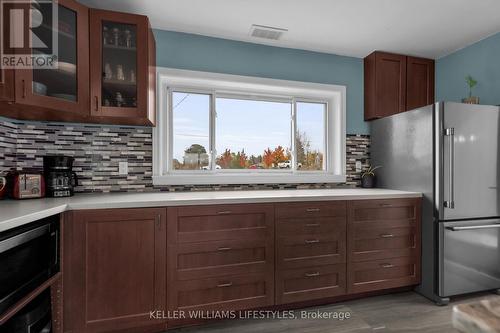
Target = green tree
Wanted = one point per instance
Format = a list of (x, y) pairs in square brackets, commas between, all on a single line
[(196, 149), (196, 154)]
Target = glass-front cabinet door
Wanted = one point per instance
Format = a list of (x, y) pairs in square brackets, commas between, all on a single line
[(64, 88), (119, 66)]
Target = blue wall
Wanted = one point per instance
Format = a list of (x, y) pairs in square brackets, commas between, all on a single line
[(201, 53), (482, 61)]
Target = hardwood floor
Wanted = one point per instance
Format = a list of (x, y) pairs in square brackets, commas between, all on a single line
[(402, 312)]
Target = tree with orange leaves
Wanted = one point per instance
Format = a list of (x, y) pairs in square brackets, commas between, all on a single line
[(225, 159), (268, 158), (243, 159), (279, 155)]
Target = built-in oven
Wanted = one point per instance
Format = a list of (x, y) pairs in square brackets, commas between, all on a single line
[(29, 256)]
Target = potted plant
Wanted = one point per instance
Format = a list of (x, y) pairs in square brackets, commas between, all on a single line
[(471, 83), (368, 177)]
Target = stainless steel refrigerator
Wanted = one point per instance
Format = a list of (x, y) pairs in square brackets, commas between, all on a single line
[(450, 152)]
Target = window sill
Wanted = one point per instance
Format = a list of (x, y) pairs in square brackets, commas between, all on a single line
[(216, 179)]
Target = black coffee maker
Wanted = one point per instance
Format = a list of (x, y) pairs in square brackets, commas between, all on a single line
[(60, 180)]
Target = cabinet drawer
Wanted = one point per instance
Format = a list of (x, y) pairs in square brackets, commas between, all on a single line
[(387, 239), (383, 274), (311, 209), (206, 223), (313, 225), (226, 293), (311, 283), (381, 210), (311, 250), (219, 258)]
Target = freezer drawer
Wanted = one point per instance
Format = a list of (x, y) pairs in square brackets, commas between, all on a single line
[(469, 258)]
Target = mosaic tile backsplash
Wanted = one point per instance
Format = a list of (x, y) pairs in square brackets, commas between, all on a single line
[(98, 149)]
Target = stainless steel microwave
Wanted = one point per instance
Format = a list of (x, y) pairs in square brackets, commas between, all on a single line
[(29, 256)]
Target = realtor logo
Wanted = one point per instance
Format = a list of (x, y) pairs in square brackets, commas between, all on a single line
[(29, 34)]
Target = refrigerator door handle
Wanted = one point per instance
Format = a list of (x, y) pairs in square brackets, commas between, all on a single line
[(474, 227), (450, 203)]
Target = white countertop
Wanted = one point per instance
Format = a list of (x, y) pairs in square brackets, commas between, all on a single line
[(14, 213)]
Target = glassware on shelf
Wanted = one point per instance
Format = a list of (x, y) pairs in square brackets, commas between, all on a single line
[(120, 75), (132, 76), (128, 38), (105, 35), (108, 72), (119, 99), (116, 37)]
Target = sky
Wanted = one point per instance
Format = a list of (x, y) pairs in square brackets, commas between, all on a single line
[(242, 124)]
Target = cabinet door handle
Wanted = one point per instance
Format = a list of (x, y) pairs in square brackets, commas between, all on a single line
[(224, 212), (312, 274), (223, 285), (24, 88), (386, 265), (312, 210), (386, 235), (312, 225), (96, 99), (311, 241), (223, 249), (386, 205)]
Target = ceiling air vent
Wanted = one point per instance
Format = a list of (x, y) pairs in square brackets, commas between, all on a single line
[(262, 31)]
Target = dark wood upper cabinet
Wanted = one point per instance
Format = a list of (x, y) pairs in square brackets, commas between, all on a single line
[(114, 269), (120, 67), (7, 85), (63, 93), (396, 83), (420, 82), (113, 84)]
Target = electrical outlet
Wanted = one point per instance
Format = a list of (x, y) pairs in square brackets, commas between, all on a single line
[(358, 166), (123, 168)]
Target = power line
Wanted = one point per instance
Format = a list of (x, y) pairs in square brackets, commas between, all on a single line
[(182, 100)]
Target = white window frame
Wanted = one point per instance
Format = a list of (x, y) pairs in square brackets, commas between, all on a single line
[(223, 85)]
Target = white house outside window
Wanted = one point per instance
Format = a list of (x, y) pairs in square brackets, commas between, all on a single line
[(226, 129)]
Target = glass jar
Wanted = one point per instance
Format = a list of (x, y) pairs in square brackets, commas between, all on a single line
[(119, 99), (120, 75), (116, 37), (105, 35), (128, 38)]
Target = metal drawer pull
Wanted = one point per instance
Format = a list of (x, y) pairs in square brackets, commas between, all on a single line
[(386, 235), (474, 227), (223, 249), (312, 274), (312, 210), (223, 285), (224, 212), (311, 241), (312, 225), (386, 205), (386, 265)]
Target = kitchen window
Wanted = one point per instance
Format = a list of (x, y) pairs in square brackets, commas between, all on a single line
[(226, 129)]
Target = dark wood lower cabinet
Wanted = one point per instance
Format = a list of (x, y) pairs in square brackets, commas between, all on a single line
[(382, 274), (310, 283), (223, 293), (220, 257), (119, 266), (114, 272), (383, 244)]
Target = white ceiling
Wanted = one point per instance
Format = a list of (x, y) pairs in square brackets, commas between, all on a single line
[(428, 28)]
